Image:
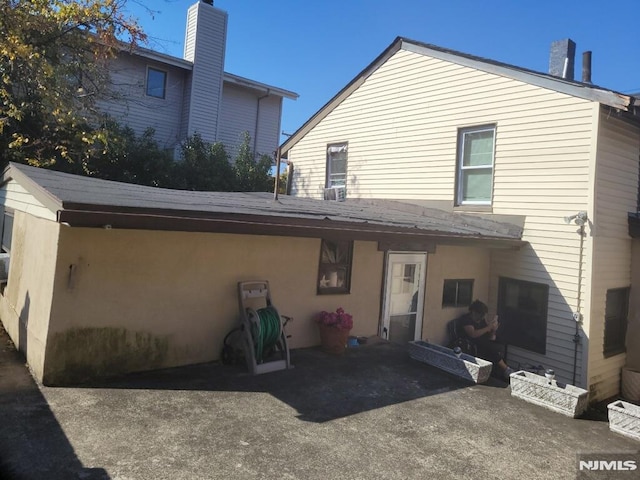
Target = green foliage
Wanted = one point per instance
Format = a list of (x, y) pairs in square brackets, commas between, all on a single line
[(125, 157), (252, 175), (53, 55), (282, 183), (205, 167)]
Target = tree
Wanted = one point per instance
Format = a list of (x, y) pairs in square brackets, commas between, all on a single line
[(252, 175), (204, 167), (53, 55), (125, 157)]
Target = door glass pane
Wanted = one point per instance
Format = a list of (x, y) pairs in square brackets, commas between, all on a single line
[(402, 328)]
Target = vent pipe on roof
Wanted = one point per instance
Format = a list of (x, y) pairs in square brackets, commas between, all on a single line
[(562, 58), (586, 67)]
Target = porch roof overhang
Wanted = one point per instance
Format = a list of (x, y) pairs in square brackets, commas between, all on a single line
[(93, 203)]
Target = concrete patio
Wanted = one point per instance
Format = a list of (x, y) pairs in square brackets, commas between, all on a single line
[(371, 414)]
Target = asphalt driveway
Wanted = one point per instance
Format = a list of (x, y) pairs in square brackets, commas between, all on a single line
[(371, 414)]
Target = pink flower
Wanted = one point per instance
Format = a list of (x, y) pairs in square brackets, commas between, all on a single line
[(339, 319)]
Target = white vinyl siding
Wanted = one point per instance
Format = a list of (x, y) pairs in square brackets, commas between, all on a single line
[(130, 105), (241, 113), (402, 124), (14, 196), (616, 190), (205, 40)]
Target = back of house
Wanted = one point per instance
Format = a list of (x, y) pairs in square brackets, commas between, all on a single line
[(467, 135)]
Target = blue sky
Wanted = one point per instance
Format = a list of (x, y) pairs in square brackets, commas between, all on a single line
[(315, 48)]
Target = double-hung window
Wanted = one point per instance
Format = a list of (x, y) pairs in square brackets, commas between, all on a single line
[(336, 165), (476, 148), (156, 83)]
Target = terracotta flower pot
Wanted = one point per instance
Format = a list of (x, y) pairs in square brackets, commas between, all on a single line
[(333, 340)]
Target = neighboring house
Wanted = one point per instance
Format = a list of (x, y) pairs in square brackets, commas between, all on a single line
[(182, 96), (472, 136), (107, 277)]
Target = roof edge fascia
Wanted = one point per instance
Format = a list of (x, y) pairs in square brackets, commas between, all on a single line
[(341, 95), (266, 225), (159, 57), (48, 200), (587, 92), (263, 87), (592, 93)]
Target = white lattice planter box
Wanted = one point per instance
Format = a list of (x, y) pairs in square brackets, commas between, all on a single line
[(624, 418), (566, 399), (465, 366)]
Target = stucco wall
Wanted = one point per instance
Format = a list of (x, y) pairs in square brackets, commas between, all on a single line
[(452, 263), (134, 300), (25, 302)]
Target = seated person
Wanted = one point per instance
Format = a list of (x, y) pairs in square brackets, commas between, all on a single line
[(482, 335)]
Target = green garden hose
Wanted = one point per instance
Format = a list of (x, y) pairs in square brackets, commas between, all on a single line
[(268, 333)]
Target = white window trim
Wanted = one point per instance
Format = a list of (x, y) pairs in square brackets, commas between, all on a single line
[(460, 168), (341, 147)]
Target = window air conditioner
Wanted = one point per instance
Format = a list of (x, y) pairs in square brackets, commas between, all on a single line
[(338, 194)]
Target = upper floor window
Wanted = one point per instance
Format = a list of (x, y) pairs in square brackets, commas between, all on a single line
[(156, 83), (475, 165), (337, 165), (615, 321)]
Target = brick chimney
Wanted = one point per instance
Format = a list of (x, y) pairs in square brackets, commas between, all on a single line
[(562, 58)]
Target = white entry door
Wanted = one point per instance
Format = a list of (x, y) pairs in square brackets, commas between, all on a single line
[(404, 297)]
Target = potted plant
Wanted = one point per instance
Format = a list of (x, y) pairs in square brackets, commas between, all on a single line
[(334, 330)]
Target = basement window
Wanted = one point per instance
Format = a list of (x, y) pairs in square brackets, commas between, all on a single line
[(615, 321), (334, 272)]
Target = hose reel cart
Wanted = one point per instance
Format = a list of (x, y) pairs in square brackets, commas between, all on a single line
[(262, 337)]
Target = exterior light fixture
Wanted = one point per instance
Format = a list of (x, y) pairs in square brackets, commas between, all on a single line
[(579, 218)]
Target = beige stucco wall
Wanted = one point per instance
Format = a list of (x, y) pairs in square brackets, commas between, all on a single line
[(134, 300), (25, 302), (450, 262)]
